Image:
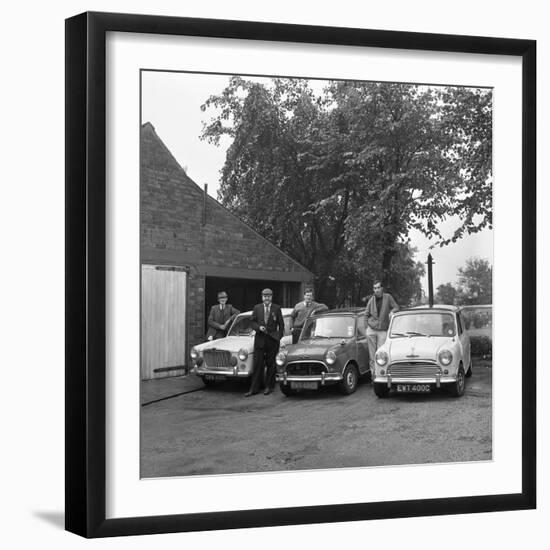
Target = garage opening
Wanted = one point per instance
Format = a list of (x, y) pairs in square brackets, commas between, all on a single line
[(244, 294)]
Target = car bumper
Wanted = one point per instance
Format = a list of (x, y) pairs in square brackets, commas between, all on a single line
[(435, 380), (230, 372), (323, 378)]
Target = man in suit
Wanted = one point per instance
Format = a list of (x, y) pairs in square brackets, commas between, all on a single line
[(267, 321), (220, 317)]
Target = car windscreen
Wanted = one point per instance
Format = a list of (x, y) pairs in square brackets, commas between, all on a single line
[(241, 326), (423, 324), (329, 327)]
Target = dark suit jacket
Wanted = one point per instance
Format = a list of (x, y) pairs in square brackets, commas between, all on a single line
[(275, 325), (218, 317)]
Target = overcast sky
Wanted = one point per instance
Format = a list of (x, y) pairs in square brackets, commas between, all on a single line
[(171, 103)]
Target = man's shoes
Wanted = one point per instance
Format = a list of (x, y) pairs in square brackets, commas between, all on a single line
[(267, 391), (249, 393)]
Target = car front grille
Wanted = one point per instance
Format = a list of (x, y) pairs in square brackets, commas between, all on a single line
[(217, 358), (413, 370), (305, 369)]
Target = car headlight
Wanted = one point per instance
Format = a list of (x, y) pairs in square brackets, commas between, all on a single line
[(281, 358), (243, 354), (381, 358), (445, 357), (330, 358), (194, 353)]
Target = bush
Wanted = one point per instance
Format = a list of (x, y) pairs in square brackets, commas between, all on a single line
[(478, 320), (481, 346)]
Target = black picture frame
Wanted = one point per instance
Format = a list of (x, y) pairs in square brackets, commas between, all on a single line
[(86, 273)]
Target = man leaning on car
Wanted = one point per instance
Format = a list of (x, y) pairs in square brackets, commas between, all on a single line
[(377, 314), (302, 310), (220, 317)]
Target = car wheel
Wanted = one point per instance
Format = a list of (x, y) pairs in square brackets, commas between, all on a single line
[(381, 390), (470, 369), (208, 383), (286, 389), (349, 383), (457, 388)]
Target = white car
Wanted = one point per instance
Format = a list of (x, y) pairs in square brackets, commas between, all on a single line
[(232, 356), (426, 348)]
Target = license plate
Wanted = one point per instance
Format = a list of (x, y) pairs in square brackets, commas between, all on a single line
[(304, 385), (214, 377), (413, 388)]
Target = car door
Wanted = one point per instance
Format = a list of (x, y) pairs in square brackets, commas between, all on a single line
[(287, 337), (362, 347), (467, 342), (464, 340)]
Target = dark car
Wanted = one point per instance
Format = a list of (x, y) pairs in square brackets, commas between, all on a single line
[(332, 349)]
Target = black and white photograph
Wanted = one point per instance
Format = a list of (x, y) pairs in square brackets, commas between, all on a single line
[(274, 275), (316, 261)]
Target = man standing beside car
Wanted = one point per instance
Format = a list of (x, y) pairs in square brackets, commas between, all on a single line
[(267, 321), (220, 317), (379, 308), (302, 310)]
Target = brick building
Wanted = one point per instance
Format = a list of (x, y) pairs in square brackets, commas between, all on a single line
[(192, 247)]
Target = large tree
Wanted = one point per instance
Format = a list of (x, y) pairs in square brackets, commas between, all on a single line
[(422, 154), (338, 179), (271, 178)]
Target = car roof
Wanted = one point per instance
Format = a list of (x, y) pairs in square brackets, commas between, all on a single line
[(436, 307), (340, 311)]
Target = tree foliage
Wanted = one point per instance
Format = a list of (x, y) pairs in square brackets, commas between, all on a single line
[(338, 179), (445, 294), (475, 282), (474, 285)]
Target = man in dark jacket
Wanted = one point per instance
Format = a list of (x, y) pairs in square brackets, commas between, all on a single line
[(267, 321), (220, 317)]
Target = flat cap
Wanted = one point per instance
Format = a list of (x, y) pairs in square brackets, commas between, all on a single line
[(267, 292)]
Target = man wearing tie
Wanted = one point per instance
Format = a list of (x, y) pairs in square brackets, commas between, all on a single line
[(267, 321), (220, 318)]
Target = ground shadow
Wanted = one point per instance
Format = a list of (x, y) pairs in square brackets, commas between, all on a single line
[(57, 519)]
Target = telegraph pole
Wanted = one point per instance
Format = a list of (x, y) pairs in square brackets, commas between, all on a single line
[(430, 281)]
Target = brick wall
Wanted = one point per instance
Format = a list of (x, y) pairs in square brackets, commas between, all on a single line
[(171, 220)]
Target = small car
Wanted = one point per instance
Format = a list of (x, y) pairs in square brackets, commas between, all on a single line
[(426, 348), (232, 356), (332, 349)]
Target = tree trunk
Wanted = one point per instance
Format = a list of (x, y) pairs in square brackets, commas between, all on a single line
[(387, 257)]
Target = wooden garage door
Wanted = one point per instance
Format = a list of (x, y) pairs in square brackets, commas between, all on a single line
[(163, 322)]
